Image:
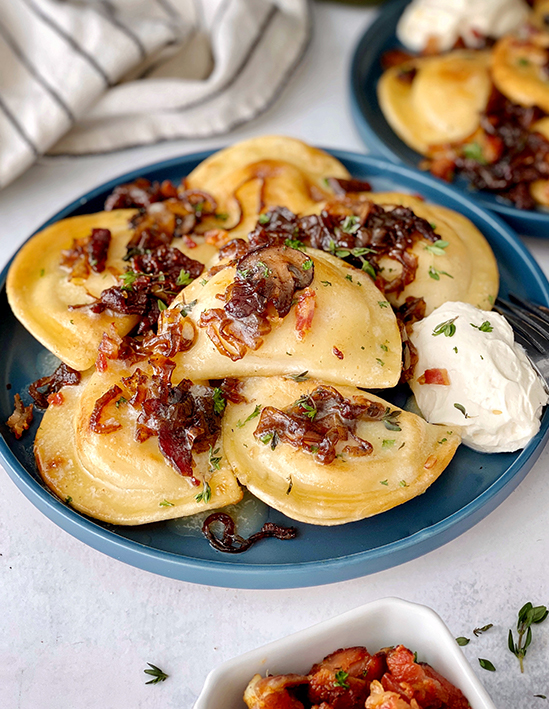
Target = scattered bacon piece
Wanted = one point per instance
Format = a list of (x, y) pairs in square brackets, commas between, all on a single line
[(63, 376), (21, 418), (217, 237), (338, 353), (304, 312), (434, 376), (56, 399), (87, 254)]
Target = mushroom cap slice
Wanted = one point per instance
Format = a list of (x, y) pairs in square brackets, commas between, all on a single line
[(112, 477), (443, 101), (402, 465), (353, 339)]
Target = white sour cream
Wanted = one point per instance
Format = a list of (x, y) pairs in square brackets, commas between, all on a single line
[(448, 20), (499, 395)]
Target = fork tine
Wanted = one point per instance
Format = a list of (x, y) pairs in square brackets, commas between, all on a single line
[(539, 311), (525, 328), (535, 319)]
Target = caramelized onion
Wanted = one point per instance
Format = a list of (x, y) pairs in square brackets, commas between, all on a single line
[(63, 376), (233, 543), (21, 418)]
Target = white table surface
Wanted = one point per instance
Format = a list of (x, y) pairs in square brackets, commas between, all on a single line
[(77, 627)]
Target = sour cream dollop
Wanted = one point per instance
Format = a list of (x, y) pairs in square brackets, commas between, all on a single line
[(448, 20), (493, 392)]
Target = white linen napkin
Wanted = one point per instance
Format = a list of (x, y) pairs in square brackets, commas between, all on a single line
[(81, 77)]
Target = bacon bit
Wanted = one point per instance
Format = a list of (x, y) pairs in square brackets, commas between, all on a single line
[(430, 462), (114, 347), (56, 399), (63, 376), (341, 187), (217, 237), (21, 418), (338, 353), (188, 242), (95, 424), (89, 253), (304, 312), (435, 376)]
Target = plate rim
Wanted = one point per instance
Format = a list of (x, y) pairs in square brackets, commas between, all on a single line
[(533, 221), (303, 573)]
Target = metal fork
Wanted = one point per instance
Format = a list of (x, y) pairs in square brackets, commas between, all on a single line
[(530, 323)]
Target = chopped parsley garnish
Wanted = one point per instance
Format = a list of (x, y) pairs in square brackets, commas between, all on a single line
[(219, 401), (485, 327), (266, 438), (165, 503), (184, 278), (157, 673), (438, 247), (42, 272), (384, 482), (442, 440), (435, 273), (213, 459), (455, 350), (523, 62), (384, 348), (222, 216), (205, 495), (266, 269), (254, 413), (403, 483), (203, 282), (68, 500), (340, 679), (473, 151), (446, 328), (349, 277), (295, 244)]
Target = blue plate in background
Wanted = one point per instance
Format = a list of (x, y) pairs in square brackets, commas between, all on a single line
[(471, 487), (380, 137)]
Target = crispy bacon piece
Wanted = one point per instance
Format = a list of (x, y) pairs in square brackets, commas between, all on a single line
[(317, 422), (95, 423), (63, 376), (434, 376), (56, 399), (304, 312), (140, 193), (114, 347), (341, 186), (21, 418), (87, 254)]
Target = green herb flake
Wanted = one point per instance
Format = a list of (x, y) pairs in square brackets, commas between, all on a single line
[(295, 244), (309, 409), (68, 500), (290, 486), (438, 247), (383, 303), (390, 419), (213, 459), (455, 350), (491, 299), (403, 483), (340, 679), (165, 503), (253, 415), (473, 151), (307, 265), (446, 328), (461, 641), (187, 307), (299, 377), (461, 408), (266, 438), (435, 273), (120, 401), (528, 615), (486, 665), (479, 631), (128, 279), (219, 401), (523, 61), (326, 283), (384, 482), (42, 272), (369, 269), (205, 495), (384, 348), (388, 443), (266, 269), (161, 305), (485, 327), (184, 278), (157, 673), (223, 216), (350, 225), (203, 282), (380, 362), (349, 277), (264, 218), (442, 440), (540, 696)]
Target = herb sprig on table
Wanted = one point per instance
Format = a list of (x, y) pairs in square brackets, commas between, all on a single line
[(528, 615)]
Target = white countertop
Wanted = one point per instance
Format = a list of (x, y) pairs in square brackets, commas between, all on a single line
[(77, 627)]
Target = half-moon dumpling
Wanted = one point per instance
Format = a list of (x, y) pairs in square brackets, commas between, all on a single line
[(518, 71), (340, 328), (327, 456), (110, 475), (433, 100)]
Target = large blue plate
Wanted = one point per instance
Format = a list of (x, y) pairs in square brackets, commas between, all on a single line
[(380, 137), (472, 486)]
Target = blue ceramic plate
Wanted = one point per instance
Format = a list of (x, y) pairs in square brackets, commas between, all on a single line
[(380, 137), (471, 487)]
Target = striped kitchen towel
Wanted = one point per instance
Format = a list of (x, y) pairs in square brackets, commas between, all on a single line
[(82, 77)]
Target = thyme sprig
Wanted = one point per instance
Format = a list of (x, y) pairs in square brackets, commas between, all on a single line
[(157, 674), (527, 616)]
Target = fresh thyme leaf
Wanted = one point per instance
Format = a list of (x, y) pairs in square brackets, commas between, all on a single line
[(435, 273), (264, 218), (527, 615), (213, 459), (349, 277), (361, 250), (383, 303), (438, 247), (415, 656), (491, 299), (254, 413), (384, 348), (219, 401), (473, 151), (157, 673), (390, 419), (187, 307), (203, 282), (68, 500), (128, 279), (479, 631), (165, 503), (295, 244), (42, 272), (205, 495), (485, 327), (461, 408), (266, 438), (486, 665), (442, 440), (350, 225), (161, 304), (299, 377), (340, 679), (326, 283), (461, 641), (540, 696), (403, 483), (120, 401), (446, 328), (222, 216), (380, 362), (266, 269), (309, 410), (307, 265), (384, 482), (184, 278), (388, 443), (290, 486), (369, 269), (455, 349)]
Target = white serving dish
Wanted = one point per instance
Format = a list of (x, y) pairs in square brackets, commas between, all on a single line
[(382, 623)]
